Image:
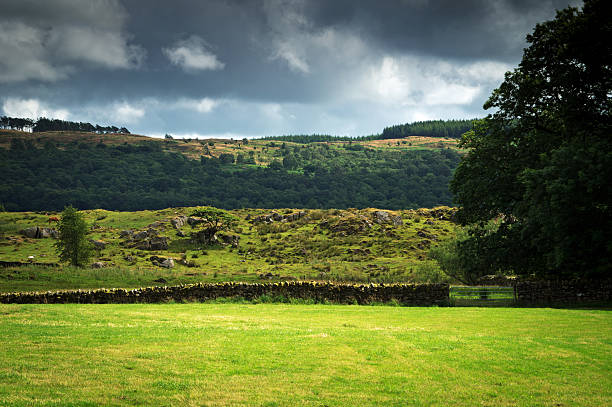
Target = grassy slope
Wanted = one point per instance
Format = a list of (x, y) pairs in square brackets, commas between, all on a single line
[(234, 354), (264, 151), (303, 249)]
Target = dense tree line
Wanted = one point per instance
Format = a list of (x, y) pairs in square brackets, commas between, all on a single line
[(44, 124), (134, 177), (312, 138), (429, 128)]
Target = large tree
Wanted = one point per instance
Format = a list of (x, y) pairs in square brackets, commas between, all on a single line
[(539, 166)]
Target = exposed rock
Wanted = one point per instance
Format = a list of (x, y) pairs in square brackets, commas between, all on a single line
[(98, 244), (383, 217), (346, 226), (192, 220), (205, 236), (158, 243), (126, 233), (30, 232), (229, 239), (168, 263), (130, 258), (140, 235), (179, 221), (36, 232), (152, 243), (98, 265), (277, 217), (162, 262)]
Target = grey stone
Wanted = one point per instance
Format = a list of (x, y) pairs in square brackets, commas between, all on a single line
[(168, 263), (98, 244), (179, 221), (383, 217)]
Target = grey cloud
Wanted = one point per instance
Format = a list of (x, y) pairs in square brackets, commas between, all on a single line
[(193, 54), (47, 41)]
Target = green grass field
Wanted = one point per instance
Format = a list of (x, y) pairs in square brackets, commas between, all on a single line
[(273, 354)]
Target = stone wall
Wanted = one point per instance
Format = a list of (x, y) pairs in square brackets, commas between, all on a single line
[(405, 294), (564, 292)]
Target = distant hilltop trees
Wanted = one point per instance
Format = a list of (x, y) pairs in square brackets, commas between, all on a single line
[(44, 124), (429, 128)]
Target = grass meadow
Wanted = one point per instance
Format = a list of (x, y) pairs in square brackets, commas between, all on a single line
[(288, 354)]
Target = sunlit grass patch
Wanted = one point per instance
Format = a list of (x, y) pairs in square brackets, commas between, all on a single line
[(287, 354)]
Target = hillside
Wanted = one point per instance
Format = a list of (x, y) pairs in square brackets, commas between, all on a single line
[(49, 170), (339, 245)]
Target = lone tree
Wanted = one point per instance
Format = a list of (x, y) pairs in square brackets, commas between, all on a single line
[(539, 167), (212, 220), (72, 244)]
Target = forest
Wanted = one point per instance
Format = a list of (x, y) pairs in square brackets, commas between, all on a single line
[(143, 176)]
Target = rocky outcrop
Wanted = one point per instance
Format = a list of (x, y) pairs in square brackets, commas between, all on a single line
[(178, 222), (151, 243), (386, 218), (98, 244), (162, 262), (277, 217), (192, 220), (144, 240), (347, 226), (37, 232), (232, 240)]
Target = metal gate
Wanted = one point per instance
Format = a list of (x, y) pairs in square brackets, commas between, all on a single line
[(482, 296)]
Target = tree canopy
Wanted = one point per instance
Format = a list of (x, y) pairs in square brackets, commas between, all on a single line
[(72, 244), (539, 166)]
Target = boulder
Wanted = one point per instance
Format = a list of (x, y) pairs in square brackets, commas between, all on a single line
[(98, 244), (48, 232), (179, 222), (98, 265), (229, 239), (141, 235), (168, 263), (383, 217), (153, 243), (126, 233), (347, 226), (158, 243), (277, 217), (192, 220), (162, 262), (36, 232)]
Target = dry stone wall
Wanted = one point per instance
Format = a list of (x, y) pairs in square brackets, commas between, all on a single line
[(405, 294), (563, 292)]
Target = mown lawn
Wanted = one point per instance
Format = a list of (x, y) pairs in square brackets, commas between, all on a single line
[(284, 354)]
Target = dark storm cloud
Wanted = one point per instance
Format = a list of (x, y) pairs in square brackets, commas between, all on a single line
[(492, 29), (255, 67)]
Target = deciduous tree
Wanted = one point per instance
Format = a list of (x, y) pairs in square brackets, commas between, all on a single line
[(540, 165)]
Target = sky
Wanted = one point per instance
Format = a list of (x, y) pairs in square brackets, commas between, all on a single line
[(252, 68)]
